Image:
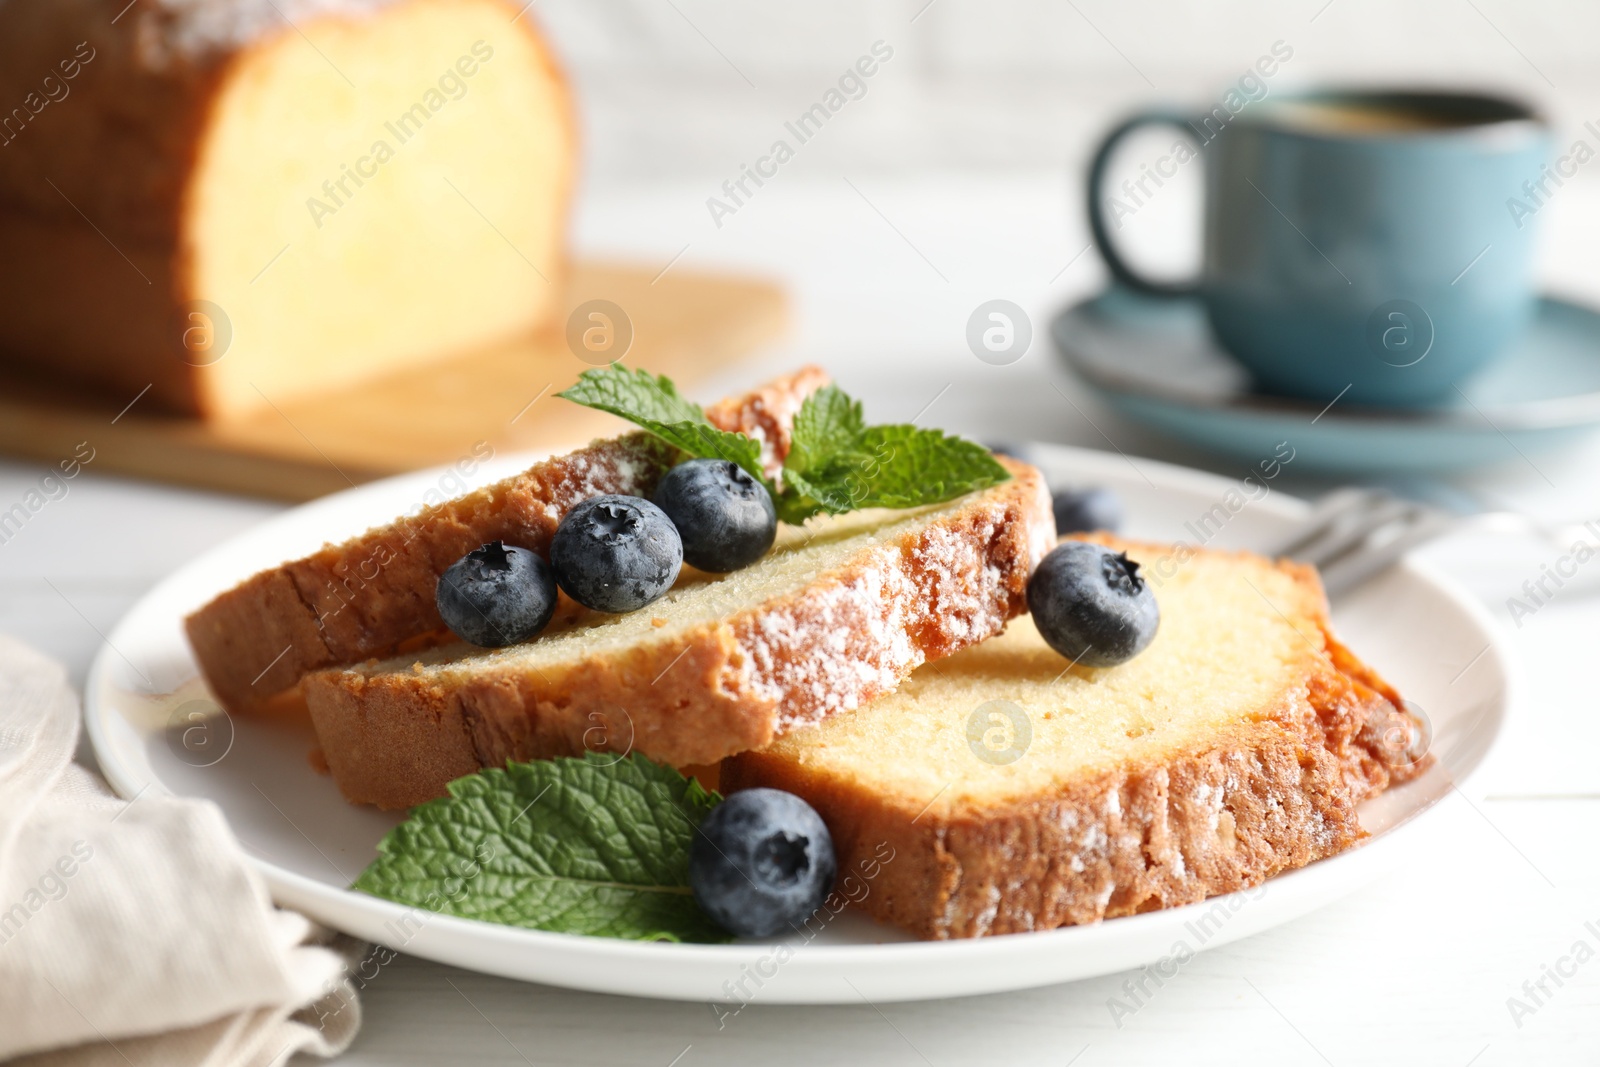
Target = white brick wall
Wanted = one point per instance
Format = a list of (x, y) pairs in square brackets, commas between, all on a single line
[(694, 88)]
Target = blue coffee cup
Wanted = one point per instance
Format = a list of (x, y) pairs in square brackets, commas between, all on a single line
[(1375, 246)]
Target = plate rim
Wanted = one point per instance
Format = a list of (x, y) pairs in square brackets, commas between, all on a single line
[(318, 899)]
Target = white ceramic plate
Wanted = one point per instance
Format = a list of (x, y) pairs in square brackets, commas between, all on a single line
[(1432, 642)]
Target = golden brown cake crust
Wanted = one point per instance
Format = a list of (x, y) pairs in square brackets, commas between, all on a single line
[(1144, 838), (394, 738), (96, 181), (1276, 792), (369, 595), (768, 413), (142, 81)]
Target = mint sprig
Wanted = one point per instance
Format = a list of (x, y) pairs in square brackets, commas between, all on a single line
[(836, 462), (896, 466), (828, 424), (653, 404), (582, 846)]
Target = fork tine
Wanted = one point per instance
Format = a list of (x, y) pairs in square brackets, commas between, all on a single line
[(1330, 511), (1357, 531), (1423, 525), (1340, 535)]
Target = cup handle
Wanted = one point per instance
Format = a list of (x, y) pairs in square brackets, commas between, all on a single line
[(1120, 270)]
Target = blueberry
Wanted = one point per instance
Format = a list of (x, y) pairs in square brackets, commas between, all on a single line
[(496, 595), (761, 863), (1084, 510), (1091, 606), (725, 516), (616, 553)]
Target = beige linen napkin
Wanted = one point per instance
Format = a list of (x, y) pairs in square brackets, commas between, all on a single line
[(136, 934)]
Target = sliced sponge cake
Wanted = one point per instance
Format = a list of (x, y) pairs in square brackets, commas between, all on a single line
[(840, 612), (373, 594), (232, 203), (1020, 793)]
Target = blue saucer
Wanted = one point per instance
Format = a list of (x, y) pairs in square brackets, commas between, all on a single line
[(1154, 361)]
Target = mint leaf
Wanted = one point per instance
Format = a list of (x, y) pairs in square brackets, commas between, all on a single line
[(704, 440), (652, 402), (634, 395), (902, 466), (583, 846), (802, 498), (827, 424), (838, 464)]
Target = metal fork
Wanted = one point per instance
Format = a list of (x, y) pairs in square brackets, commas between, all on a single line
[(1352, 534)]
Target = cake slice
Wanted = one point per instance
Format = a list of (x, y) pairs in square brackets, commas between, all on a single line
[(221, 204), (1018, 792), (371, 595), (839, 612)]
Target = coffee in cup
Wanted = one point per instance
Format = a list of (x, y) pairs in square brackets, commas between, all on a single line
[(1367, 245)]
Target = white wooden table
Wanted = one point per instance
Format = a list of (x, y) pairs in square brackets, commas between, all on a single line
[(1418, 969)]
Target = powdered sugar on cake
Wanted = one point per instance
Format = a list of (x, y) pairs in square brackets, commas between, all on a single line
[(191, 30), (941, 589)]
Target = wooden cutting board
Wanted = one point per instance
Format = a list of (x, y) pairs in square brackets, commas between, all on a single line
[(685, 325)]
